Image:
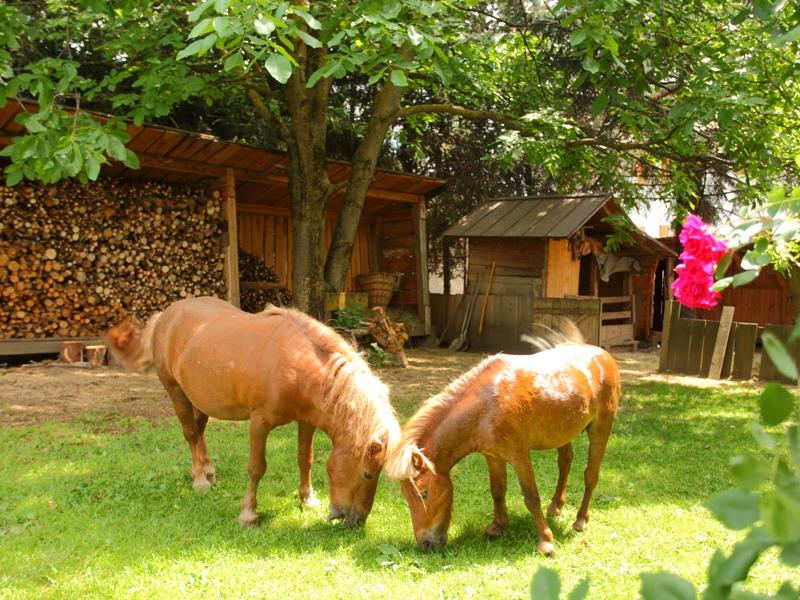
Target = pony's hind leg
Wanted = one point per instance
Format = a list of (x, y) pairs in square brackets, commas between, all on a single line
[(193, 433), (565, 456), (598, 431), (305, 458), (201, 419), (533, 502), (256, 467), (497, 483)]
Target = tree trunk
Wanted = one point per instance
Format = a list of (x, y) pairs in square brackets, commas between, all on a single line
[(794, 289), (384, 112)]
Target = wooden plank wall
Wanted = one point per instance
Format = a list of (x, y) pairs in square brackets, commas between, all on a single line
[(563, 272), (519, 264), (506, 319), (689, 346), (764, 301), (584, 312), (267, 235), (398, 252)]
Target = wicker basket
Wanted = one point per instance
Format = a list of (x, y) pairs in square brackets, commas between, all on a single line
[(379, 288)]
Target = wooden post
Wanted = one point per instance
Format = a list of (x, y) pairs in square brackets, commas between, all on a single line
[(421, 236), (669, 307), (232, 249), (715, 370)]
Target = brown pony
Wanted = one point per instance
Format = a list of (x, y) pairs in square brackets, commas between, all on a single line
[(505, 407), (273, 367)]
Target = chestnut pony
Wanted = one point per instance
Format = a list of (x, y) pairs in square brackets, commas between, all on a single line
[(503, 408), (273, 367)]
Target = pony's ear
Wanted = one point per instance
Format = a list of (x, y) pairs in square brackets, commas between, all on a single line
[(375, 448), (419, 462), (120, 336)]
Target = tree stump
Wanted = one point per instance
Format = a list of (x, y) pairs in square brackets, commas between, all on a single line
[(389, 336)]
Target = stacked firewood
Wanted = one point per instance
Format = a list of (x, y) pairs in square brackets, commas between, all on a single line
[(259, 285), (75, 258)]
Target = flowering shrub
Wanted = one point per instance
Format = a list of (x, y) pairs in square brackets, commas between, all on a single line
[(701, 252)]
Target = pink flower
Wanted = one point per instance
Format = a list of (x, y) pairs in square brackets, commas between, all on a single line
[(695, 276)]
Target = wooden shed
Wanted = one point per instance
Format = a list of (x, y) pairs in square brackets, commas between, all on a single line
[(534, 259), (245, 190)]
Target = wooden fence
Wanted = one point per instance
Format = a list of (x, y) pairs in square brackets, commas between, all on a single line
[(723, 349)]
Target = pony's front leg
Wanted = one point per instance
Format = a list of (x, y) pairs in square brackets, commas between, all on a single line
[(256, 467), (565, 456), (305, 458), (498, 483), (193, 433), (524, 470)]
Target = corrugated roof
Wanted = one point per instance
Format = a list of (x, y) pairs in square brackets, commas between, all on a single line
[(540, 216), (176, 156)]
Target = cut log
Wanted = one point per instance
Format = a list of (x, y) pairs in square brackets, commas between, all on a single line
[(389, 335)]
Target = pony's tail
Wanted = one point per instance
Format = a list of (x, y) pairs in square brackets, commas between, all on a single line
[(568, 333), (132, 345)]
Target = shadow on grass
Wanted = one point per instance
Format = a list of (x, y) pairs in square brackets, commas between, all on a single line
[(125, 492)]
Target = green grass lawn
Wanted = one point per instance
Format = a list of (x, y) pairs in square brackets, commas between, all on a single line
[(100, 507)]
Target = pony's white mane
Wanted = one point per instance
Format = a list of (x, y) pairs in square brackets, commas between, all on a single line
[(355, 399), (401, 463), (569, 334)]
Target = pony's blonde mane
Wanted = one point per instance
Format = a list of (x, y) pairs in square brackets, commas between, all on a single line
[(400, 464), (354, 398), (132, 344)]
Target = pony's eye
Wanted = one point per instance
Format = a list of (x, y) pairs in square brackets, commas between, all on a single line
[(423, 494), (368, 475)]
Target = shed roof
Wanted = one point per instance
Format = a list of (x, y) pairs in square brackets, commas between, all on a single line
[(539, 216), (557, 216), (176, 156)]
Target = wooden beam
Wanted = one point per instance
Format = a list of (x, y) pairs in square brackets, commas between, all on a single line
[(232, 249), (715, 369), (418, 215)]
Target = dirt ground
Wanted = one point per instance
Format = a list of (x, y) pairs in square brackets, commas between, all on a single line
[(49, 390)]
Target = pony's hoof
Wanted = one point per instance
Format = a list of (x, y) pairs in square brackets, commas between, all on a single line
[(248, 518), (495, 530), (310, 502), (553, 510), (201, 486), (211, 476), (580, 524), (546, 548)]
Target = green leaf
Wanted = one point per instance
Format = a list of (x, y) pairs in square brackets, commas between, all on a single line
[(580, 591), (577, 36), (279, 67), (590, 64), (779, 355), (723, 265), (612, 45), (92, 168), (310, 40), (202, 28), (315, 77), (13, 175), (735, 508), (780, 512), (764, 439), (790, 554), (776, 404), (546, 585), (199, 10), (233, 61), (264, 26), (762, 9), (599, 104), (744, 277), (666, 586), (793, 442), (748, 472), (131, 160), (725, 117), (736, 566), (376, 77), (310, 21), (399, 78), (414, 36)]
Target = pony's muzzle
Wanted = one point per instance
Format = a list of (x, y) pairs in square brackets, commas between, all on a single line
[(351, 516), (432, 539)]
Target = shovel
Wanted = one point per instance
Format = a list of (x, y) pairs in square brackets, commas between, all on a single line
[(461, 343)]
